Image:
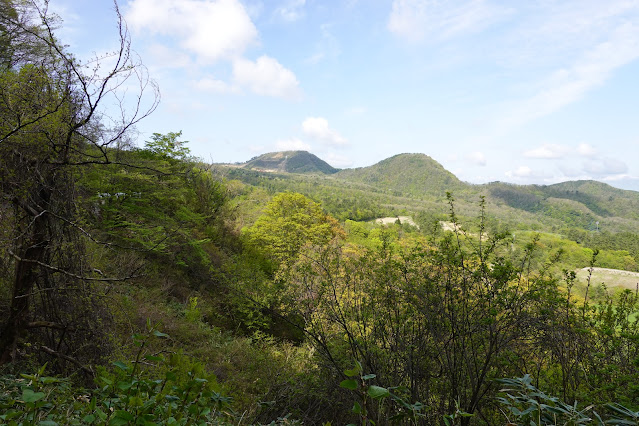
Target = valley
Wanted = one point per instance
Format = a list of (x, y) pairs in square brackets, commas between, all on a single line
[(143, 285)]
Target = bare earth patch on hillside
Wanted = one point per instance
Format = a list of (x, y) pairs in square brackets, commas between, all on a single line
[(390, 220), (610, 277)]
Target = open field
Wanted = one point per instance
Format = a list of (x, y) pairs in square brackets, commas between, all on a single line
[(610, 277)]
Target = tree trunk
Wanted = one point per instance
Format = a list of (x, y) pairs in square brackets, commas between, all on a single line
[(26, 276)]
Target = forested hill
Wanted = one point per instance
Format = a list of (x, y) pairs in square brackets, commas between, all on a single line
[(582, 203), (290, 162), (416, 182), (406, 174)]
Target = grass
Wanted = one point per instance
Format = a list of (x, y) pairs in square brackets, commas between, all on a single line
[(610, 277)]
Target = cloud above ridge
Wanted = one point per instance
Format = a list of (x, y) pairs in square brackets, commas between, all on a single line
[(213, 33), (318, 129)]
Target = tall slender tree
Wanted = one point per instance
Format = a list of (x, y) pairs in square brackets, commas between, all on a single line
[(54, 122)]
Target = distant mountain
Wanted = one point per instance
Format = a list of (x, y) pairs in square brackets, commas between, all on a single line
[(290, 162), (416, 182), (406, 174), (590, 199)]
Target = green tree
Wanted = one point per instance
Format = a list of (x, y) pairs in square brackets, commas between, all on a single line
[(289, 222), (168, 146), (439, 318), (54, 124)]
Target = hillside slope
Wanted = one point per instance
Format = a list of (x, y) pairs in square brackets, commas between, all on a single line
[(411, 183), (408, 175), (290, 162)]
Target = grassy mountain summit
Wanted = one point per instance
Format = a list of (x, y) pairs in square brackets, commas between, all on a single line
[(290, 162), (406, 174)]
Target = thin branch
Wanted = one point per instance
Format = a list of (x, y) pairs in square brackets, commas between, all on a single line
[(70, 274), (46, 324), (72, 360)]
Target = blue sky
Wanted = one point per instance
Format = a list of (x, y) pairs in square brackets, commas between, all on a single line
[(534, 91)]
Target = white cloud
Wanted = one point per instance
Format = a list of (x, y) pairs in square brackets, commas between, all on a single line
[(210, 84), (292, 144), (292, 11), (616, 178), (169, 58), (266, 77), (562, 31), (520, 172), (625, 181), (477, 158), (416, 20), (317, 128), (586, 150), (548, 151), (570, 171), (337, 160), (605, 166), (571, 83), (211, 29), (254, 8), (327, 47)]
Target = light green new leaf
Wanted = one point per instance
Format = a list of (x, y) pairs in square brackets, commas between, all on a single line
[(377, 392)]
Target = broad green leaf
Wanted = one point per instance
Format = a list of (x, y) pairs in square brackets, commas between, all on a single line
[(354, 371), (369, 376), (153, 358), (377, 392), (118, 421), (135, 401), (30, 396), (124, 415), (125, 385), (357, 408), (349, 384), (157, 333), (121, 365)]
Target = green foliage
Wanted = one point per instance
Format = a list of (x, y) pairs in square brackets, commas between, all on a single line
[(433, 316), (528, 405), (174, 209), (129, 394), (289, 222), (470, 308), (168, 146), (192, 313), (415, 183), (376, 404), (406, 174)]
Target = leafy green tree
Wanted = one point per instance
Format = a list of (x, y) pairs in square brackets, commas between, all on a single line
[(54, 124), (438, 318), (289, 222), (168, 146)]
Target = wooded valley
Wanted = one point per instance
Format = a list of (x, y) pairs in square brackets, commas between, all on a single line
[(141, 285)]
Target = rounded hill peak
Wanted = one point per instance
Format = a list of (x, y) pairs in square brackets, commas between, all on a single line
[(410, 173), (290, 162)]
